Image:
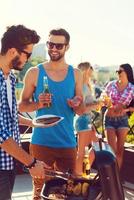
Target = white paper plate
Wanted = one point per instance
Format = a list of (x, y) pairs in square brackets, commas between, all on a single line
[(49, 120)]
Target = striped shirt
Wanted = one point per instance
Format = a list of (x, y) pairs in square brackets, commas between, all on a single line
[(8, 121), (123, 97)]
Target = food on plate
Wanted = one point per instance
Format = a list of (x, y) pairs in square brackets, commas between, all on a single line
[(47, 120), (57, 196), (57, 192), (77, 189), (71, 188), (85, 189)]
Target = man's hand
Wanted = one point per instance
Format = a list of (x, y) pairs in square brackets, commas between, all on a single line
[(44, 99), (38, 171), (75, 102)]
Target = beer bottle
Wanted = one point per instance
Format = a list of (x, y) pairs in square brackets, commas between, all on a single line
[(46, 88), (86, 164)]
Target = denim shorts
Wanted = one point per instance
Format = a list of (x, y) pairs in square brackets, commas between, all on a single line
[(83, 123), (116, 122)]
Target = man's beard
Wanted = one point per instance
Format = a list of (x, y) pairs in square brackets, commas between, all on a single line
[(55, 57), (16, 64)]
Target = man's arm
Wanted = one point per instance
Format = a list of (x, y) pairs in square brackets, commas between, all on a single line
[(30, 80), (25, 121), (77, 102), (13, 149), (26, 103)]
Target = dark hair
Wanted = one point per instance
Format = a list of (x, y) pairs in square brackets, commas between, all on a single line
[(129, 71), (61, 32), (18, 37), (84, 65)]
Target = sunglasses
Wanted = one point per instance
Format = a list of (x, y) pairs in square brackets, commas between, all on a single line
[(58, 46), (26, 53), (119, 71)]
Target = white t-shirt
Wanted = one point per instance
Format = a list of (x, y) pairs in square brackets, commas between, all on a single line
[(9, 93)]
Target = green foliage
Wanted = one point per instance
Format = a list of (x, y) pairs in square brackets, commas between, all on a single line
[(25, 68), (37, 60), (130, 139), (131, 120), (32, 62)]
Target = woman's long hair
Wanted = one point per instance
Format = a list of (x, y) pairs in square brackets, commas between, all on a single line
[(129, 71), (84, 66)]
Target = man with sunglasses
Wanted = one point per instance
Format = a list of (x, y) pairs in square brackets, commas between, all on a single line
[(16, 47), (55, 145)]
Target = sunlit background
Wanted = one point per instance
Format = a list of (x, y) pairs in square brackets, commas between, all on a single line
[(102, 31)]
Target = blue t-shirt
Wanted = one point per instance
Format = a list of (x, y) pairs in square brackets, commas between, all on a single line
[(62, 134)]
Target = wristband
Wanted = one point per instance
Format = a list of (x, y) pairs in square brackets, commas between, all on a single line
[(31, 165)]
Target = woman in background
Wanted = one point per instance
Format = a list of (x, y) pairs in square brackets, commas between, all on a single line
[(121, 93), (83, 126)]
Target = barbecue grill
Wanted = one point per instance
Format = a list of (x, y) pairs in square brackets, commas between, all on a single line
[(105, 185)]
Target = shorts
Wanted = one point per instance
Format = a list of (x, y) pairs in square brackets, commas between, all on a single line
[(120, 122), (83, 123), (61, 159)]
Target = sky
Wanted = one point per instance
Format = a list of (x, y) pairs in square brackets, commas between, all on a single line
[(101, 31)]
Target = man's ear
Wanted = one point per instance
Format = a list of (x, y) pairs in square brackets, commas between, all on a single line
[(12, 52), (67, 47)]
